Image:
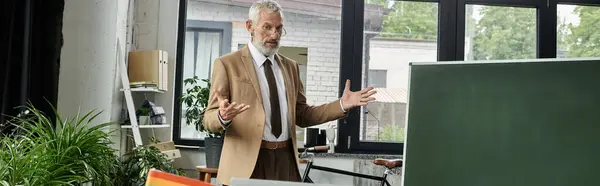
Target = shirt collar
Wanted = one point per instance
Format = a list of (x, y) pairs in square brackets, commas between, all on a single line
[(258, 57)]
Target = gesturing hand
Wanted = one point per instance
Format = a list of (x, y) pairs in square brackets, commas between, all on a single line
[(229, 111), (355, 99)]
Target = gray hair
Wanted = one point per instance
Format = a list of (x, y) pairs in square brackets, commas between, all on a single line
[(271, 5)]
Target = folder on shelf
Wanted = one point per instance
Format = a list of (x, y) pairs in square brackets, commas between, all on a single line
[(148, 68), (159, 178)]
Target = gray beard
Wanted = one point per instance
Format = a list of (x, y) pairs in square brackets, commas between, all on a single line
[(260, 45)]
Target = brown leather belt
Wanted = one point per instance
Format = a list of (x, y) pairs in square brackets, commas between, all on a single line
[(274, 145)]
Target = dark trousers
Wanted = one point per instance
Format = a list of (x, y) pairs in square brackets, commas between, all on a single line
[(276, 164)]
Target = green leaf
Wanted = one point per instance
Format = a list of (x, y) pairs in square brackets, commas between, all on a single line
[(195, 99), (409, 20), (69, 154), (504, 33), (584, 40)]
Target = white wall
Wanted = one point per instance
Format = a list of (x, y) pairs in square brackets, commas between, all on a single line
[(88, 77), (155, 28), (394, 56)]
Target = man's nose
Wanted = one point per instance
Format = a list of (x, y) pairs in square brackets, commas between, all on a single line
[(273, 37)]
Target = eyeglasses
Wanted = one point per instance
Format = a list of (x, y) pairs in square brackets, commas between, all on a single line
[(271, 30)]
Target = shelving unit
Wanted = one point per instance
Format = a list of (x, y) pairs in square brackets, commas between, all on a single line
[(167, 148), (127, 90), (145, 89), (145, 126)]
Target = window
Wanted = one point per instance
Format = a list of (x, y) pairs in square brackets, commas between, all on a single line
[(446, 31), (312, 39), (498, 32), (399, 33), (204, 42), (201, 48), (577, 31), (379, 38), (395, 33)]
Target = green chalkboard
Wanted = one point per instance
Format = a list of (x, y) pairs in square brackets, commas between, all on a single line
[(504, 123)]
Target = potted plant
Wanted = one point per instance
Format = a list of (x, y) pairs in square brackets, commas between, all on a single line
[(143, 116), (195, 100), (57, 151), (136, 165), (69, 151)]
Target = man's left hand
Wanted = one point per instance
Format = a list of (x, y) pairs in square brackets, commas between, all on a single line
[(356, 99)]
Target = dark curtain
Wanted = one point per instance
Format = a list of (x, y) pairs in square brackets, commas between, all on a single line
[(29, 62)]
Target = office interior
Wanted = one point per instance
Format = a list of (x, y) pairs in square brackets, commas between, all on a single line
[(68, 58)]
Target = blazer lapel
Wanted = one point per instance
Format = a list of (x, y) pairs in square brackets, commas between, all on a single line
[(251, 70)]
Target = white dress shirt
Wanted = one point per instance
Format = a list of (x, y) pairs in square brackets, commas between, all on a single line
[(259, 59)]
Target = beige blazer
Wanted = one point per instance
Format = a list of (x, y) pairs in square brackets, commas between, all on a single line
[(235, 75)]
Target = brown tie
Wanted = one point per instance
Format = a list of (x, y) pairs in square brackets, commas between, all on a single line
[(275, 110)]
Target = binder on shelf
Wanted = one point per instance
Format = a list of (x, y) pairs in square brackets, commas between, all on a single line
[(164, 73), (143, 68), (148, 68)]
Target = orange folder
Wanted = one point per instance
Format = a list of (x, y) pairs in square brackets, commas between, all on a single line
[(159, 178)]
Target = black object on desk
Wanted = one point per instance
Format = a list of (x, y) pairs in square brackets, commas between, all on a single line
[(315, 137)]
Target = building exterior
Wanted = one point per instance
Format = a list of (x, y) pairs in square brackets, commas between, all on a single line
[(390, 58)]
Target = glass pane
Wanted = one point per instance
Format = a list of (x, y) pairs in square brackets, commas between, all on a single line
[(496, 33), (577, 31), (201, 49), (312, 40), (396, 33)]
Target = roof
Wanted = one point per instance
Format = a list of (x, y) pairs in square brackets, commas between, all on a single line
[(390, 95)]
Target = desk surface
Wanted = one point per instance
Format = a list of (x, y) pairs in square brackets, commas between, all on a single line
[(357, 156)]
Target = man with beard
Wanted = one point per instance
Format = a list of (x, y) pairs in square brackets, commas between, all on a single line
[(258, 99)]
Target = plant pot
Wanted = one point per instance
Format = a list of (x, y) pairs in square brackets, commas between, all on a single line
[(213, 148), (144, 120)]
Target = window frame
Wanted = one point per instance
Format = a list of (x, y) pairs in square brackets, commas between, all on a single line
[(578, 2), (226, 29), (450, 45)]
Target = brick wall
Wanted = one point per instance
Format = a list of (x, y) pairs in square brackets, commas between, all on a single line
[(321, 36)]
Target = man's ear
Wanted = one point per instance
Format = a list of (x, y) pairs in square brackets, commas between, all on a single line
[(249, 26)]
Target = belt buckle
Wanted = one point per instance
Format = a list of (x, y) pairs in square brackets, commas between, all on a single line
[(276, 146)]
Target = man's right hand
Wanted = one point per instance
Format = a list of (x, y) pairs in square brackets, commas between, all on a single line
[(228, 111)]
